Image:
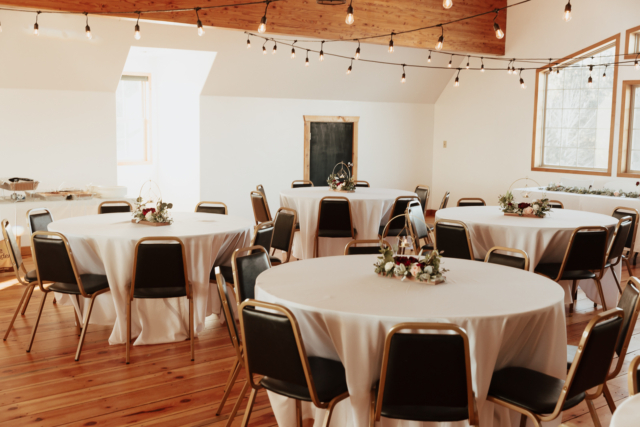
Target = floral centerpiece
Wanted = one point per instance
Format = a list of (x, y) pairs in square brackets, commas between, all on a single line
[(597, 192), (150, 209), (342, 180), (422, 268), (538, 208)]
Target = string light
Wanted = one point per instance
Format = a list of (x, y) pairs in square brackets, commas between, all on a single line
[(636, 64), (404, 76), (557, 70), (391, 44), (590, 81), (440, 43), (275, 48), (293, 50), (87, 30), (350, 67), (306, 63), (199, 24), (468, 57), (0, 27), (482, 66), (567, 12), (263, 22), (248, 42), (264, 49), (604, 75), (522, 85), (429, 58), (447, 4), (496, 27), (457, 81), (509, 67), (321, 57), (349, 19), (136, 34), (358, 51), (36, 30), (450, 61)]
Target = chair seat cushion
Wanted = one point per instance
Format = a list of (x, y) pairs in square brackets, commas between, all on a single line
[(364, 250), (552, 269), (297, 226), (427, 247), (275, 260), (392, 231), (31, 276), (167, 292), (425, 413), (328, 376), (90, 282), (531, 390), (571, 354), (226, 271), (336, 233)]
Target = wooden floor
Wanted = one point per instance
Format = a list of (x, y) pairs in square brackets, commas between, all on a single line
[(161, 386)]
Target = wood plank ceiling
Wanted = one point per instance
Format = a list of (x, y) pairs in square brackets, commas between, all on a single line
[(306, 18)]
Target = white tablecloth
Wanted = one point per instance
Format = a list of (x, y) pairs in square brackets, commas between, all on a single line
[(105, 244), (512, 318), (369, 208), (543, 239), (627, 414)]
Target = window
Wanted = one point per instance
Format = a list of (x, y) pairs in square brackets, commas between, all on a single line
[(133, 120), (632, 43), (629, 151), (573, 119)]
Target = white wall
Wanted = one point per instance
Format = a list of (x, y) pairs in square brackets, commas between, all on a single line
[(251, 141), (488, 121)]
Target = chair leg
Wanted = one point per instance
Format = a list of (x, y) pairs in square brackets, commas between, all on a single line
[(574, 288), (35, 327), (298, 413), (609, 398), (128, 327), (372, 409), (615, 277), (604, 303), (85, 326), (594, 414), (234, 411), (27, 291), (26, 303), (191, 328), (54, 300), (227, 389), (626, 261), (78, 322), (332, 405), (523, 420), (247, 411), (315, 246)]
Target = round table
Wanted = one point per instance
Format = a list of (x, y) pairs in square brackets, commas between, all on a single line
[(370, 207), (105, 244), (627, 414), (543, 239), (512, 318)]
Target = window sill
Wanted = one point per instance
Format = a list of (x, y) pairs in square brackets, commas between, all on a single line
[(573, 171), (628, 175)]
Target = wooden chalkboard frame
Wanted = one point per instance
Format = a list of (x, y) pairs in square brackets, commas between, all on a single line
[(307, 140)]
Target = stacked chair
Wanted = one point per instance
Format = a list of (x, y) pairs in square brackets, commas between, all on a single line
[(471, 201), (212, 208), (114, 207)]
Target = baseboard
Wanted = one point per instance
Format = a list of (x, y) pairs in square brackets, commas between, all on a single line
[(25, 251), (431, 212)]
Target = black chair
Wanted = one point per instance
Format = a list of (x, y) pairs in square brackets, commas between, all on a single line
[(586, 253), (334, 220), (452, 239), (247, 264), (493, 257), (372, 247), (260, 210), (55, 263), (212, 208), (114, 207), (38, 219), (419, 228), (260, 188), (425, 376), (224, 293), (630, 304), (154, 280), (285, 367), (423, 192), (617, 246), (29, 279), (395, 226), (362, 184), (556, 204), (620, 212), (262, 234), (445, 200), (284, 227), (534, 394), (634, 376), (301, 183), (471, 201)]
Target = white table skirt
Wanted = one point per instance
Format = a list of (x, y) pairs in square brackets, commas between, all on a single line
[(627, 414), (543, 239), (512, 318), (369, 208), (105, 244)]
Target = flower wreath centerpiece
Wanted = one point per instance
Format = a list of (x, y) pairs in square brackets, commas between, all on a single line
[(149, 209), (425, 269), (342, 180), (535, 209)]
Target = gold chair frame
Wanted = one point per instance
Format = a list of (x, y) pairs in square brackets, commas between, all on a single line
[(460, 223), (426, 202), (258, 227), (363, 182), (414, 233), (357, 242), (472, 199), (505, 249), (260, 189), (114, 202), (264, 203), (315, 240), (234, 265), (633, 376), (445, 200), (301, 181), (45, 291), (133, 286), (537, 418), (612, 240), (557, 202), (293, 231), (226, 210), (376, 398), (635, 232), (31, 232), (330, 406)]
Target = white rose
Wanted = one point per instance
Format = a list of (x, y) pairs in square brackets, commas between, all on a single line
[(428, 269), (148, 216), (400, 270), (388, 266), (527, 211), (535, 208), (415, 269)]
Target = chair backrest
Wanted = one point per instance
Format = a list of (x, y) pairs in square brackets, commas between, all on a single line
[(114, 207), (223, 292), (262, 235), (429, 368), (629, 303), (445, 200), (260, 188), (634, 376), (260, 211), (399, 208), (452, 239), (159, 264), (334, 213), (471, 201), (419, 228), (15, 254), (556, 204), (621, 212), (284, 227), (372, 248), (38, 219), (362, 184), (593, 358), (423, 196), (287, 361), (521, 262), (619, 240), (246, 268), (300, 183), (587, 250), (54, 260), (212, 208)]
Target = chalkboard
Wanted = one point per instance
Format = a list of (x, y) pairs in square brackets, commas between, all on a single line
[(330, 144)]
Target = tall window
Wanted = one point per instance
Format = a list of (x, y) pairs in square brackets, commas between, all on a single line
[(133, 122), (573, 116), (629, 151)]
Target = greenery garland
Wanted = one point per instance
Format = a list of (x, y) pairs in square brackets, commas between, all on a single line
[(589, 190)]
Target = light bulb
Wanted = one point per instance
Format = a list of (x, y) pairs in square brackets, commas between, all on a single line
[(264, 50), (136, 35), (263, 25), (358, 53), (349, 70), (248, 43), (349, 19), (509, 69), (522, 85), (200, 29), (447, 4), (87, 31), (404, 78), (456, 83), (440, 43), (467, 63), (306, 63), (498, 30), (35, 29), (637, 65), (391, 46), (275, 49), (321, 57), (482, 68), (567, 12), (449, 63), (429, 58), (293, 53), (0, 27), (590, 82)]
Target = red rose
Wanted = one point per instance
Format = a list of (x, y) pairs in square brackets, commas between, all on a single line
[(523, 205)]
